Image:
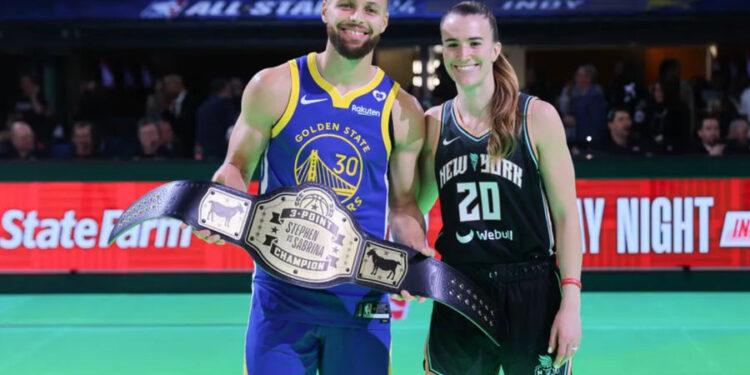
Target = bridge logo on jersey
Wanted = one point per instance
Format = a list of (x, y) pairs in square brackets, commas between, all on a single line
[(332, 159), (484, 235)]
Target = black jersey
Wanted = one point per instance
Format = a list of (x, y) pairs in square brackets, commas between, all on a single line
[(494, 209)]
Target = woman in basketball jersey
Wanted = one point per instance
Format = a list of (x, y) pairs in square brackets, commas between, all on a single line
[(499, 164)]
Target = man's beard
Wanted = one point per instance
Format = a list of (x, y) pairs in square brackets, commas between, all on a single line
[(348, 52)]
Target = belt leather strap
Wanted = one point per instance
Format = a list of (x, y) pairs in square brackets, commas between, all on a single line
[(304, 236)]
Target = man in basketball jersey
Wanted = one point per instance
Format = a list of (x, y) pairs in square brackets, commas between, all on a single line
[(498, 162), (336, 119)]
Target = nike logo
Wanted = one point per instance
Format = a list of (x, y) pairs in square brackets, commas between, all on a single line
[(447, 142), (306, 101)]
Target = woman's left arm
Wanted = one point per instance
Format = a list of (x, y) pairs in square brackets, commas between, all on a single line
[(548, 138)]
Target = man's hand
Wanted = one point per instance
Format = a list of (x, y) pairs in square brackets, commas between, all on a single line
[(406, 296), (716, 150), (206, 235)]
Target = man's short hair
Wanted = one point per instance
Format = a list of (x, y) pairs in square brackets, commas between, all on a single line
[(707, 117), (613, 112), (590, 70), (148, 121), (82, 124)]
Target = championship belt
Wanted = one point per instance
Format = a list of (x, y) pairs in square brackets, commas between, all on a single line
[(304, 236)]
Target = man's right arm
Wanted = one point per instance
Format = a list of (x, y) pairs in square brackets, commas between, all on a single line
[(263, 103), (428, 189)]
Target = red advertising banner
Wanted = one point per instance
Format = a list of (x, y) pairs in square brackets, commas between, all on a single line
[(657, 224), (626, 224), (62, 226)]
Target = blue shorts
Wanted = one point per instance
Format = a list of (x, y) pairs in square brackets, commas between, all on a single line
[(285, 347)]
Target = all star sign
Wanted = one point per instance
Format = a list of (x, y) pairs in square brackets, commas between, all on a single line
[(310, 9)]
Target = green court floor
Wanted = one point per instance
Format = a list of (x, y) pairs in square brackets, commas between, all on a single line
[(624, 333)]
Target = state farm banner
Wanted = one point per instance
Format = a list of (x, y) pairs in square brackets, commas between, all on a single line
[(627, 224), (58, 226)]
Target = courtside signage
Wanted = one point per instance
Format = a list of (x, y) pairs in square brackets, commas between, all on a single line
[(58, 227), (625, 224), (661, 224), (736, 231)]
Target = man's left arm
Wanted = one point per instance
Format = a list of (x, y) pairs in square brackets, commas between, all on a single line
[(407, 222)]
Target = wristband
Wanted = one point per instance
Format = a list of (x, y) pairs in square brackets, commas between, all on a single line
[(571, 280)]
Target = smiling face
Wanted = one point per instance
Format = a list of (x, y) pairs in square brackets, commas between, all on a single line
[(469, 48), (354, 26)]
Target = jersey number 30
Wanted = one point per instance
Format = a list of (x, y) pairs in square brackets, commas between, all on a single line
[(489, 201)]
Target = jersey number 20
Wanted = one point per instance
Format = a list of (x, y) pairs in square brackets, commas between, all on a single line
[(489, 201)]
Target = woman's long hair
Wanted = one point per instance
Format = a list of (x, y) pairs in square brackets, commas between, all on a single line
[(504, 104)]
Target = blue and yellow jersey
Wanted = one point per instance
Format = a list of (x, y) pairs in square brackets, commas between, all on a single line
[(343, 142)]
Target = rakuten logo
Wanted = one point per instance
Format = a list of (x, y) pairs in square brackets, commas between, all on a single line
[(736, 231), (26, 230)]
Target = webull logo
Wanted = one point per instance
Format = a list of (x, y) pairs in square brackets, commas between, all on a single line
[(485, 235)]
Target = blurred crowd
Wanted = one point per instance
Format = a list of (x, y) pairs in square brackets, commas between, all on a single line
[(171, 122), (166, 119), (667, 117)]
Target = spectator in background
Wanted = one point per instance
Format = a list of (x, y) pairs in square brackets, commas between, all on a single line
[(181, 111), (92, 105), (586, 109), (670, 77), (214, 117), (738, 140), (156, 102), (33, 108), (538, 85), (708, 138), (169, 144), (667, 122), (628, 91), (149, 141), (82, 146), (22, 143), (236, 87), (619, 140)]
